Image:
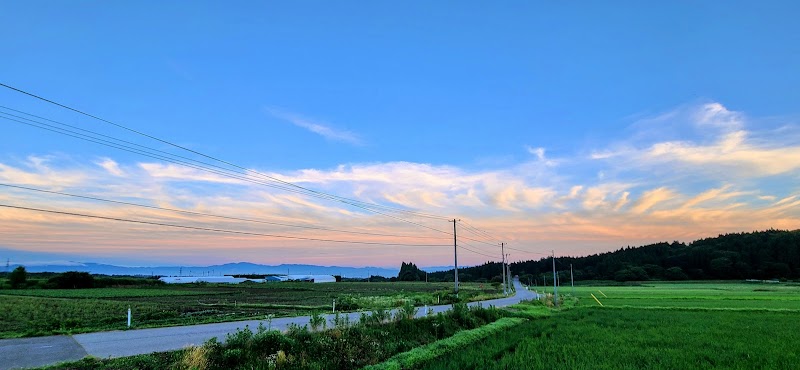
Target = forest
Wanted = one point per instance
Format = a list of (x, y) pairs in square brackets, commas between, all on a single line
[(763, 255)]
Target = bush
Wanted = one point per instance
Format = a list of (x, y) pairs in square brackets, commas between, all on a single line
[(18, 277), (72, 280)]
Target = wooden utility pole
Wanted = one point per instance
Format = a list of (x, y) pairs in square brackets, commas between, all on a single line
[(455, 255), (503, 266), (508, 271), (555, 284), (572, 279)]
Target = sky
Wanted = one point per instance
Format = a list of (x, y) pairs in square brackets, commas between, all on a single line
[(571, 128)]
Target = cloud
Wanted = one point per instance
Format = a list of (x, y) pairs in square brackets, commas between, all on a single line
[(111, 166), (703, 141), (716, 115), (622, 201), (538, 152), (181, 173), (540, 156), (717, 172), (651, 198), (36, 171), (733, 152), (318, 128)]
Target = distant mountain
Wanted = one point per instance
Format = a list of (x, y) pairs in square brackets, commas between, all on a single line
[(226, 269), (437, 268)]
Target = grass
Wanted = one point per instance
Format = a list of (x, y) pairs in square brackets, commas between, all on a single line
[(651, 326), (694, 295), (419, 355), (345, 346), (36, 312), (635, 338), (133, 292)]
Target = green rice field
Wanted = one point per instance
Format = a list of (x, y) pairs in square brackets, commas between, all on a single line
[(651, 326)]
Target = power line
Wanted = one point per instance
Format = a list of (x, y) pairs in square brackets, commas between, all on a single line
[(371, 207), (476, 252), (481, 248), (202, 166), (500, 239), (524, 251), (218, 216), (214, 229), (331, 196), (226, 172)]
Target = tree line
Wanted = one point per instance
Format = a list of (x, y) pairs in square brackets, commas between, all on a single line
[(20, 278), (770, 254)]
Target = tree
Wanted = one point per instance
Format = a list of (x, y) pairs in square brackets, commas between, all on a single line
[(73, 280), (675, 273), (410, 272), (722, 267), (18, 278)]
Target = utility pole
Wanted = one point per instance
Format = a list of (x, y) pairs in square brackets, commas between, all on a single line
[(455, 255), (503, 266), (572, 279), (508, 271), (544, 283), (555, 286)]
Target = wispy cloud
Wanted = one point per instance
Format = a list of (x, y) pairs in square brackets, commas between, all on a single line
[(111, 166), (320, 128), (651, 198), (720, 144), (653, 189)]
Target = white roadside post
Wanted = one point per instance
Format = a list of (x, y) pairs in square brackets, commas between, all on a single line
[(129, 316)]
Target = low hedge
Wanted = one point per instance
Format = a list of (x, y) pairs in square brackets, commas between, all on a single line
[(420, 355)]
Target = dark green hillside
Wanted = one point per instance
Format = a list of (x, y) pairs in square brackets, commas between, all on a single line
[(771, 254)]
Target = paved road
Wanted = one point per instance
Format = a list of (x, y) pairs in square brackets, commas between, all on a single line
[(34, 352)]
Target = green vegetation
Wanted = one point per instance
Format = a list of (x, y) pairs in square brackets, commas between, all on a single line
[(721, 295), (34, 312), (634, 338), (419, 355), (657, 326), (771, 254), (410, 272), (18, 278), (345, 346)]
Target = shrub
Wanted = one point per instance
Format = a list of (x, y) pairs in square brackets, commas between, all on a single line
[(72, 280), (196, 358), (317, 321), (18, 277)]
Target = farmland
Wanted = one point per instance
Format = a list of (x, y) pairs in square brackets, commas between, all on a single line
[(652, 325), (34, 312), (655, 325)]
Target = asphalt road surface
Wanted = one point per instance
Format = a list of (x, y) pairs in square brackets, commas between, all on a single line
[(41, 351)]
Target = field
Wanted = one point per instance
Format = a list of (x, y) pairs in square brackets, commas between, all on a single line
[(35, 312), (375, 337), (653, 326), (648, 326), (722, 295)]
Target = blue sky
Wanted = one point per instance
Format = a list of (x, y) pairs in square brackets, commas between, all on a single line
[(614, 124)]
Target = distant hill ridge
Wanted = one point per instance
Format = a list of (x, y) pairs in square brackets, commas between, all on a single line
[(238, 268), (770, 254)]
